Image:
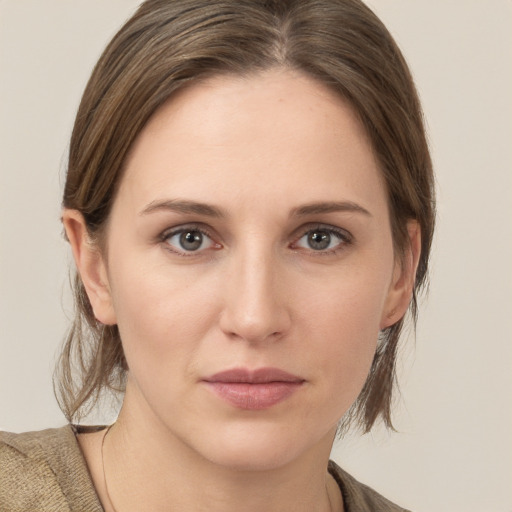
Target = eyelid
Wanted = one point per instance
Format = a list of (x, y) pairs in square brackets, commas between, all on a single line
[(175, 230), (345, 236)]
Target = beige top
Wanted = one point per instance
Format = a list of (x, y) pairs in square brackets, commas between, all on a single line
[(46, 472)]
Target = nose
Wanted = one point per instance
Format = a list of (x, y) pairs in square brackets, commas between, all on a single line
[(256, 308)]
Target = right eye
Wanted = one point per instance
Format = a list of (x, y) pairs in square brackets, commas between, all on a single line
[(189, 240)]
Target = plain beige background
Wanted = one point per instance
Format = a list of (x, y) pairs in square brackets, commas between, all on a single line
[(454, 449)]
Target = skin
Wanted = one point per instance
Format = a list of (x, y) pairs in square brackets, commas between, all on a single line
[(260, 151)]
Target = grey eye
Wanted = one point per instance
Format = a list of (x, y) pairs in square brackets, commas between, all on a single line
[(321, 239), (189, 240)]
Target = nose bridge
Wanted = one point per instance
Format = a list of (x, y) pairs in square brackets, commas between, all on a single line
[(255, 308)]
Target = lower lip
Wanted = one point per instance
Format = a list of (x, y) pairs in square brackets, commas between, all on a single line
[(244, 395)]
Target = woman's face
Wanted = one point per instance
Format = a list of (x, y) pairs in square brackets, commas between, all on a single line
[(249, 266)]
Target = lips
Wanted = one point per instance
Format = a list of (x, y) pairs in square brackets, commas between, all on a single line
[(253, 390)]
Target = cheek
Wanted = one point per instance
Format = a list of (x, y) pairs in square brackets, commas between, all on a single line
[(349, 304), (345, 323), (160, 314)]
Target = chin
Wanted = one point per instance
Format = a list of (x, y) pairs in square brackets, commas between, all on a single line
[(259, 447), (252, 456)]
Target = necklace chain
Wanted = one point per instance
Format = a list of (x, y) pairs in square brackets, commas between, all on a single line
[(107, 430)]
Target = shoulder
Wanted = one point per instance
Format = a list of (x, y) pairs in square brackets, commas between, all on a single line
[(359, 497), (44, 470)]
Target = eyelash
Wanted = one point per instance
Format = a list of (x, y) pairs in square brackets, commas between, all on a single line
[(345, 238), (168, 234)]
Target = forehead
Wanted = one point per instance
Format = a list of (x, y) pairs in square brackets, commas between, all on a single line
[(278, 133)]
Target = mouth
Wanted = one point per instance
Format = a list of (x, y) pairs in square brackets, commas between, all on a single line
[(254, 390)]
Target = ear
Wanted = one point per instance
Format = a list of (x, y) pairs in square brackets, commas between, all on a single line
[(404, 276), (91, 266)]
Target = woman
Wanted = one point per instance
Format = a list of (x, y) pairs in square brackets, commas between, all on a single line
[(249, 201)]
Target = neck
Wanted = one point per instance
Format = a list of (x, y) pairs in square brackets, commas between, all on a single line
[(148, 468)]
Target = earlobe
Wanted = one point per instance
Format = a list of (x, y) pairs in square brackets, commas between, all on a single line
[(91, 266), (402, 286)]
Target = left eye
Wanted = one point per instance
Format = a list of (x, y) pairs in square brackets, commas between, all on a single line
[(189, 240), (321, 239)]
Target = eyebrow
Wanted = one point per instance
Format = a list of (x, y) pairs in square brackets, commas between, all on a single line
[(329, 207), (182, 206), (193, 207)]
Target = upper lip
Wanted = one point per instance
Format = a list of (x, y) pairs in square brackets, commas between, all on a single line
[(257, 376)]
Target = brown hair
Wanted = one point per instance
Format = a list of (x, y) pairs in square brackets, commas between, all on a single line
[(170, 43)]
